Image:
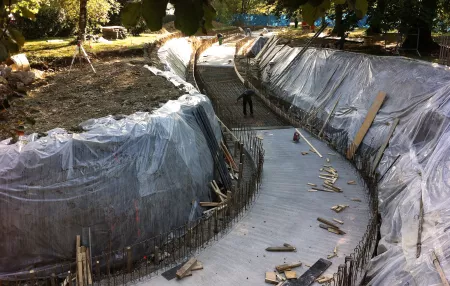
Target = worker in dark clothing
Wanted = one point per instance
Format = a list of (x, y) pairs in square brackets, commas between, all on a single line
[(247, 98)]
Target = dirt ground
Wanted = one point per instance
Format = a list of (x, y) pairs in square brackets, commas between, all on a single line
[(60, 99)]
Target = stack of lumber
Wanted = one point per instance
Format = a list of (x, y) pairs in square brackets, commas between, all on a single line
[(223, 199), (187, 269), (84, 267), (331, 227), (283, 272)]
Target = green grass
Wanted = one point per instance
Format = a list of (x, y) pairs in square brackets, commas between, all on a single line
[(41, 49)]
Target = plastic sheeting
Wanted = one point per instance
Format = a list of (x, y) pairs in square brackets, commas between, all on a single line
[(124, 180), (176, 54), (418, 94), (256, 46)]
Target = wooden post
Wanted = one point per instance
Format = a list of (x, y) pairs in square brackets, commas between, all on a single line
[(33, 277), (79, 262), (89, 266), (129, 260), (79, 269), (84, 265), (52, 279), (97, 269)]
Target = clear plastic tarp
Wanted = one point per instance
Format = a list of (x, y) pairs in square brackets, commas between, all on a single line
[(123, 180), (418, 94), (175, 54)]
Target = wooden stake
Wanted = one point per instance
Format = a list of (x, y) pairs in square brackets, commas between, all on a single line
[(329, 116), (310, 145), (84, 265), (383, 147), (79, 262), (89, 267), (129, 259)]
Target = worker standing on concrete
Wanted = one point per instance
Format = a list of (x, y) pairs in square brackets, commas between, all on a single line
[(247, 98), (220, 38)]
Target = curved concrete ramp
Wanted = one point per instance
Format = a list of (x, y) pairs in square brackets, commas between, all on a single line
[(285, 212)]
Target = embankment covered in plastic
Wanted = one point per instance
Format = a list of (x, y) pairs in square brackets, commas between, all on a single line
[(175, 55), (418, 94), (119, 182)]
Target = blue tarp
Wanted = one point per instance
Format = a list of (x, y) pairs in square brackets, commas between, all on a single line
[(361, 23), (261, 20)]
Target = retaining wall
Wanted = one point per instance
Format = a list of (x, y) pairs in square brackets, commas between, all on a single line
[(120, 182), (414, 165)]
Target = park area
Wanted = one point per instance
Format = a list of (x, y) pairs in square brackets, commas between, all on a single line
[(224, 142)]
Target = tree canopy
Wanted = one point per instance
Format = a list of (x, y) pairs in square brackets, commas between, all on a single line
[(11, 39), (190, 14)]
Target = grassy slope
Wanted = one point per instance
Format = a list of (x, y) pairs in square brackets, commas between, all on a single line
[(41, 50)]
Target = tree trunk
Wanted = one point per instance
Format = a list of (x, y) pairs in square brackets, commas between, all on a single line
[(423, 25), (338, 27), (82, 21), (375, 21)]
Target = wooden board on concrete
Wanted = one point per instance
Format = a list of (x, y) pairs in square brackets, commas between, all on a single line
[(186, 268), (371, 114), (290, 274), (197, 266), (271, 277)]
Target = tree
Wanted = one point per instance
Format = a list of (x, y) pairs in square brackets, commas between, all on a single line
[(314, 9), (11, 39), (82, 20), (420, 22), (409, 17), (98, 11)]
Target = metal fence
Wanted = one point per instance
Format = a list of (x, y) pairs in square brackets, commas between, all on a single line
[(352, 272), (162, 252)]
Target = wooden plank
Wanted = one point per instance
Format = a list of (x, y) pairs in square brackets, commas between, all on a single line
[(197, 266), (371, 114), (209, 204), (311, 274), (186, 268), (284, 267), (290, 274), (271, 277), (281, 249), (437, 264), (327, 222), (383, 147), (310, 145)]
